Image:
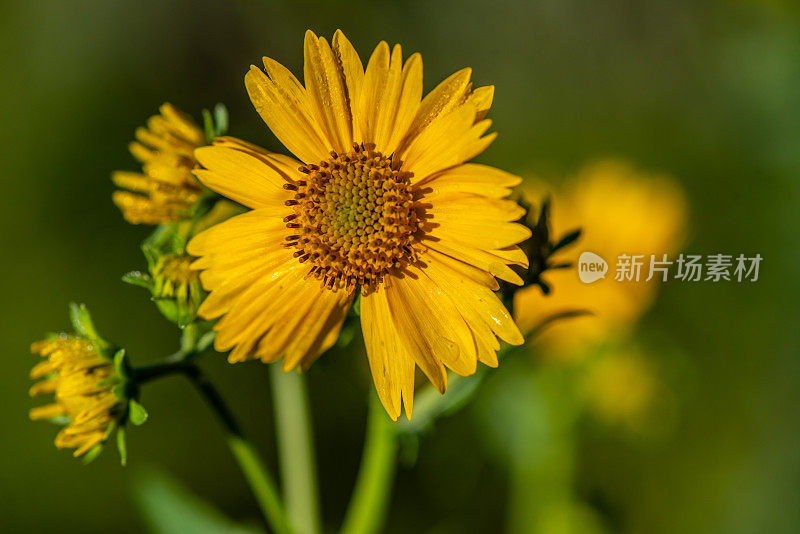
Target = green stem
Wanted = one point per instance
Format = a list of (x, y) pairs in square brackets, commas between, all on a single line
[(369, 504), (296, 450), (244, 453), (170, 365)]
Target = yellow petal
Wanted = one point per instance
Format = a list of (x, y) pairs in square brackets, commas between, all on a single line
[(444, 98), (286, 166), (353, 71), (374, 87), (492, 261), (283, 104), (241, 177), (474, 220), (449, 141), (327, 92), (391, 364), (458, 279), (471, 178), (437, 307), (418, 332)]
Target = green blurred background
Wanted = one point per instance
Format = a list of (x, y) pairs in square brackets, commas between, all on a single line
[(706, 91)]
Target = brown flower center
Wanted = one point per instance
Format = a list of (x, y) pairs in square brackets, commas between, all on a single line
[(353, 219)]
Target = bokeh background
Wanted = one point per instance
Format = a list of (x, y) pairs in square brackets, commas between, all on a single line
[(707, 91)]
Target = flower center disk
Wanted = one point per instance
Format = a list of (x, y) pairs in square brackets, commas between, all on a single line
[(353, 219)]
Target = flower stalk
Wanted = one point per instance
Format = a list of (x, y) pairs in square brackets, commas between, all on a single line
[(243, 451), (369, 505), (296, 450)]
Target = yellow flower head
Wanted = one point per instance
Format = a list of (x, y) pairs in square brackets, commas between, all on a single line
[(381, 199), (620, 211), (165, 189), (621, 388), (82, 381)]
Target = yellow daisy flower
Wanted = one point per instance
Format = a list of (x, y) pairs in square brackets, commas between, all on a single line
[(381, 199), (165, 189), (620, 211), (82, 381), (621, 388)]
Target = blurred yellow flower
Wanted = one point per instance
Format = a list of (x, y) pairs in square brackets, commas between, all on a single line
[(165, 189), (620, 388), (82, 381), (620, 211), (381, 199)]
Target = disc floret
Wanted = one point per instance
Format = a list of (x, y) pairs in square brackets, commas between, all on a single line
[(354, 218)]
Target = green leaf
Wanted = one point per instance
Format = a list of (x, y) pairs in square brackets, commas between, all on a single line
[(168, 507), (136, 413), (430, 404), (122, 446)]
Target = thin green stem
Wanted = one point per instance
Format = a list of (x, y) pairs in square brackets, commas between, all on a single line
[(245, 454), (370, 502), (174, 364), (296, 450)]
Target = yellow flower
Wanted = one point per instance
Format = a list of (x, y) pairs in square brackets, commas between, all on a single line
[(82, 382), (621, 388), (382, 201), (621, 211), (166, 189)]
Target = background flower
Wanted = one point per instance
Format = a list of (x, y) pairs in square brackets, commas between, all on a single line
[(620, 210), (165, 190)]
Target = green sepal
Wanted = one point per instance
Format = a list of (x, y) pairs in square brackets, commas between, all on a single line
[(567, 239), (139, 279), (93, 453), (208, 125), (122, 446), (84, 326), (137, 415), (168, 308), (177, 243), (121, 364), (155, 242), (205, 341), (120, 391), (81, 320), (216, 124), (186, 314), (346, 335), (356, 309), (221, 121), (60, 420)]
